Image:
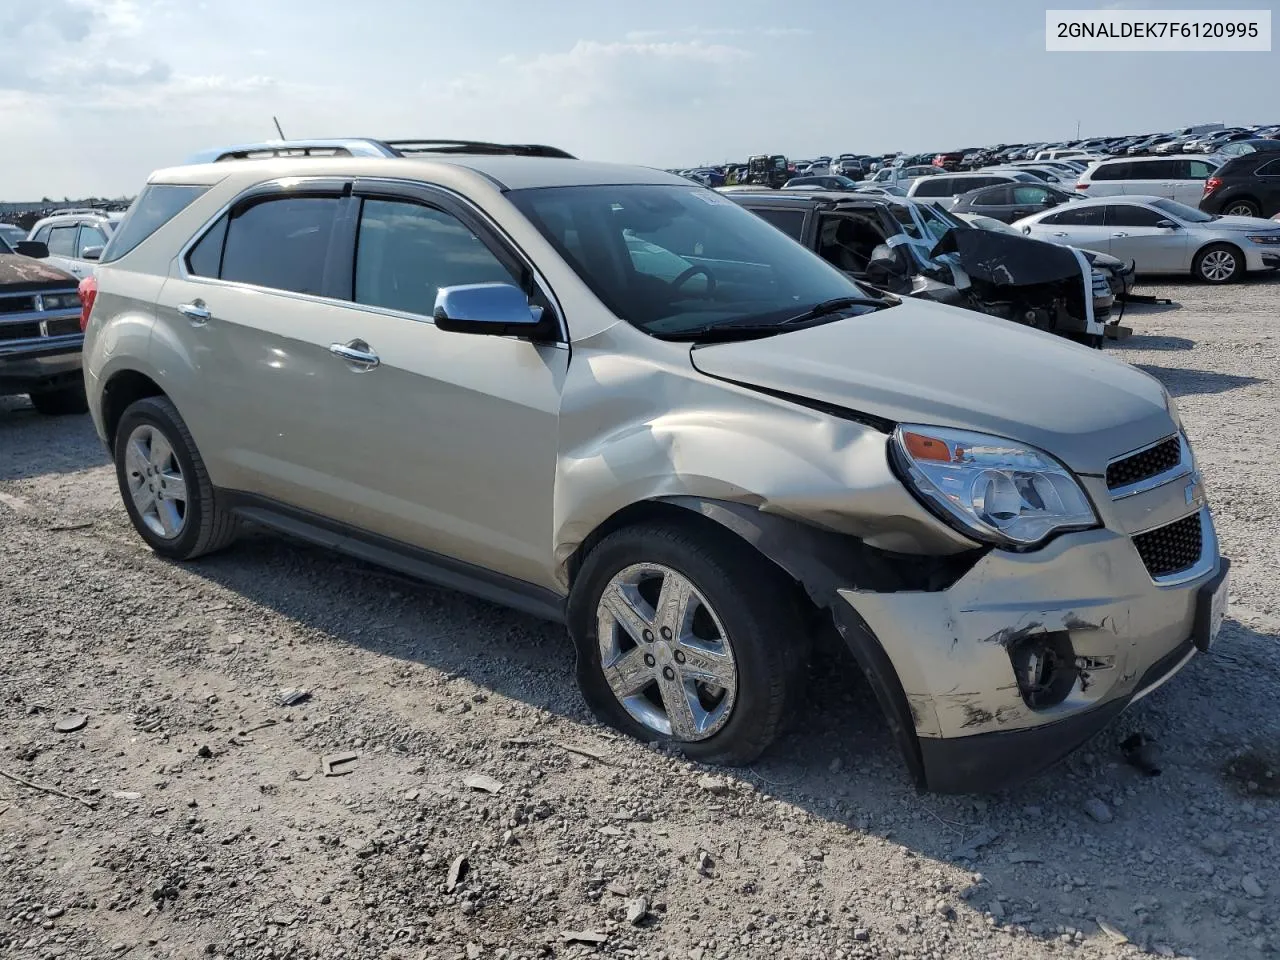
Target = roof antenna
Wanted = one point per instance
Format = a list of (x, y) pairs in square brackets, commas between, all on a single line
[(278, 130)]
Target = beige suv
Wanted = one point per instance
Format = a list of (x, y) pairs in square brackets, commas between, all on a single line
[(614, 398)]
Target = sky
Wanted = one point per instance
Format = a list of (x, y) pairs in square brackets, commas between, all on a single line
[(95, 94)]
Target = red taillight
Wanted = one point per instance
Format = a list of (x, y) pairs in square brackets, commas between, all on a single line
[(1082, 186), (88, 293), (1212, 184)]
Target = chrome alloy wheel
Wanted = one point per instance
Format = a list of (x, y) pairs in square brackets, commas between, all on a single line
[(155, 482), (1218, 265), (665, 653), (1239, 210)]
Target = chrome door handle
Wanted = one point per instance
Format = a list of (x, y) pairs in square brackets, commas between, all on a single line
[(1119, 234), (357, 353), (196, 312), (1059, 234)]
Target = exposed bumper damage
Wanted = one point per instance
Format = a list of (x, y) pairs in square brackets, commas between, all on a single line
[(991, 666), (1028, 655)]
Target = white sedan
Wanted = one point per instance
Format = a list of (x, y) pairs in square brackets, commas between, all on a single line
[(1162, 236)]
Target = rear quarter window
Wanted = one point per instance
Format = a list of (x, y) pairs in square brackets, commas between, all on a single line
[(156, 205)]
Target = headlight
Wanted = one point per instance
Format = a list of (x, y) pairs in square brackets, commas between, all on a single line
[(1269, 239), (61, 301), (996, 490)]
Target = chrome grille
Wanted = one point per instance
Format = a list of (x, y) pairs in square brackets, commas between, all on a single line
[(1172, 548), (1144, 464)]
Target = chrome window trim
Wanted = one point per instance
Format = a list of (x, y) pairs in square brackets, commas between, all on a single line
[(1183, 468), (278, 187)]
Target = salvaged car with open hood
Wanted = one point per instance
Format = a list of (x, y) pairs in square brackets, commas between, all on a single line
[(613, 398), (915, 248)]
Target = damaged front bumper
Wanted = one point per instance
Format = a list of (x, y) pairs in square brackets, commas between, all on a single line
[(1029, 654)]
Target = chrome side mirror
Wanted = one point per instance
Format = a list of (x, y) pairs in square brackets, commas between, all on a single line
[(496, 309)]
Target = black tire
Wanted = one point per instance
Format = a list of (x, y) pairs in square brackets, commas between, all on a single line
[(1247, 208), (61, 402), (1198, 265), (757, 606), (207, 524)]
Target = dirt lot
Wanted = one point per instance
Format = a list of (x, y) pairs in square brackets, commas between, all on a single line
[(197, 821)]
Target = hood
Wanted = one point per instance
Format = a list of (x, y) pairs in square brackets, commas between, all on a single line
[(23, 274), (1242, 224), (927, 363), (1008, 259)]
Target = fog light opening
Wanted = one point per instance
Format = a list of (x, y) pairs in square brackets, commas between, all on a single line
[(1044, 665)]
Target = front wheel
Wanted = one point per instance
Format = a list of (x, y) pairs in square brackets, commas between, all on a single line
[(686, 637), (1218, 263)]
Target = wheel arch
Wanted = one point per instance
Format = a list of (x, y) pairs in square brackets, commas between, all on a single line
[(1241, 198), (819, 563), (122, 389), (1205, 247)]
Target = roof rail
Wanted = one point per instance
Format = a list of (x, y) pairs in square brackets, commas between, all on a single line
[(369, 147), (78, 211), (409, 147)]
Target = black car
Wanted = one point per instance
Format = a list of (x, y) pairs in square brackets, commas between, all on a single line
[(40, 336), (1247, 186), (1008, 202)]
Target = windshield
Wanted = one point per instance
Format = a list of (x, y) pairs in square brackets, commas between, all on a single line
[(671, 259), (1182, 211)]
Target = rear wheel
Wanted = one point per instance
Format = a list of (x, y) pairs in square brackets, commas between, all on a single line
[(164, 484), (1218, 263), (61, 402), (686, 637), (1241, 208)]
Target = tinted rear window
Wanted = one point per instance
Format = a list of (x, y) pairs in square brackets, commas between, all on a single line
[(157, 204)]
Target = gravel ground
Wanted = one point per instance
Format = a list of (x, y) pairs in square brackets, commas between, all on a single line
[(197, 819)]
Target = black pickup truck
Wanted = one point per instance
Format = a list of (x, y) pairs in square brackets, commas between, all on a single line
[(40, 336)]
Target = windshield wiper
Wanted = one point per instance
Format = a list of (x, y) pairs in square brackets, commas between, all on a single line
[(835, 305), (752, 331)]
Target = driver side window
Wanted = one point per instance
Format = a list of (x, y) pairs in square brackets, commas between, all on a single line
[(406, 252)]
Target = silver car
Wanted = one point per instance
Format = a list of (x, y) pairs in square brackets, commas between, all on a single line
[(1162, 236), (76, 238), (613, 398)]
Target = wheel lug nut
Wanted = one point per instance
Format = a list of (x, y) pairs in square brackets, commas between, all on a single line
[(648, 636), (668, 673), (666, 633), (679, 656), (648, 660)]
